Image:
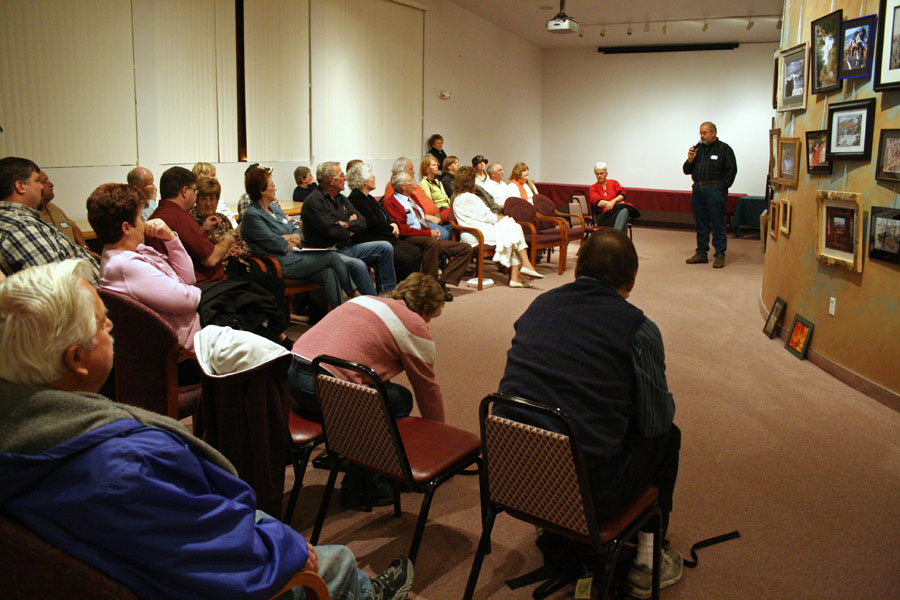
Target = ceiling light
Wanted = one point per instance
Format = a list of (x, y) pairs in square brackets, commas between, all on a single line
[(778, 24), (705, 26), (629, 29), (646, 27), (665, 29), (749, 23)]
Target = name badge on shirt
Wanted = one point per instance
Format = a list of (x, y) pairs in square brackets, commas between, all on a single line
[(713, 157), (63, 225)]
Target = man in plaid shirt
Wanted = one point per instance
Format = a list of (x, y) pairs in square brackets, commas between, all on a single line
[(25, 240)]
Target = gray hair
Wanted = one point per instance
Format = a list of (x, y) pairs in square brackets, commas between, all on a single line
[(711, 125), (300, 174), (44, 310), (325, 171), (399, 165), (494, 167), (600, 166), (398, 180), (358, 175)]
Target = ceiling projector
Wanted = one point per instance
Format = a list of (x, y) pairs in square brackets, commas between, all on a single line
[(562, 23)]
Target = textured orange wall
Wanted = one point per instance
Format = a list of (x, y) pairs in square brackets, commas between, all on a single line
[(864, 334)]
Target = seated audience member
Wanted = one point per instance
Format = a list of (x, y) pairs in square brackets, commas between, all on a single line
[(407, 258), (432, 185), (203, 170), (142, 179), (479, 163), (608, 373), (436, 148), (267, 231), (503, 233), (330, 220), (26, 240), (245, 200), (608, 198), (130, 492), (391, 336), (350, 164), (520, 185), (432, 212), (448, 173), (306, 183), (494, 188), (54, 215), (164, 282), (404, 210)]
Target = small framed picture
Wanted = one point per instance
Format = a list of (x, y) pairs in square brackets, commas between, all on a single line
[(839, 229), (888, 165), (857, 47), (784, 216), (775, 83), (884, 234), (887, 51), (774, 138), (792, 78), (850, 127), (776, 314), (788, 161), (816, 143), (799, 337), (825, 53), (773, 219)]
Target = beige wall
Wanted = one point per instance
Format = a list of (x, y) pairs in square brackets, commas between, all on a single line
[(864, 334)]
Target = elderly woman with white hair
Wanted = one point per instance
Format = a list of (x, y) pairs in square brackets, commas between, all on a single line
[(361, 180), (608, 199)]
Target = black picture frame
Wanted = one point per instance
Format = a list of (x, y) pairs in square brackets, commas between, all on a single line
[(887, 166), (850, 128), (816, 145), (799, 337), (776, 316), (858, 37), (887, 55), (884, 234), (824, 59)]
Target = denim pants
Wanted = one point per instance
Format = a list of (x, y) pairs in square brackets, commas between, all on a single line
[(708, 204), (446, 229), (378, 254), (345, 581)]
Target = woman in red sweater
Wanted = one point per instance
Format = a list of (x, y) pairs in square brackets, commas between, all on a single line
[(608, 199)]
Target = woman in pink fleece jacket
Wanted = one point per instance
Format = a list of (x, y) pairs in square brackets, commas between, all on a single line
[(163, 283)]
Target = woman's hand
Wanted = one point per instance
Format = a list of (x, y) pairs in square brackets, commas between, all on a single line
[(436, 219), (157, 228)]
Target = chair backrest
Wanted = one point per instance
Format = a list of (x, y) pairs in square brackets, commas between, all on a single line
[(146, 357), (520, 210), (580, 197), (537, 474), (33, 568), (356, 418)]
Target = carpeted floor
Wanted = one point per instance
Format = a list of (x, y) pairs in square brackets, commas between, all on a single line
[(806, 468)]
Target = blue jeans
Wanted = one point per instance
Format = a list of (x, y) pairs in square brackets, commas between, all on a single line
[(326, 268), (337, 566), (379, 254), (621, 220), (708, 203), (446, 229)]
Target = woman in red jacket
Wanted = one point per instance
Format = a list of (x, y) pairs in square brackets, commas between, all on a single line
[(608, 199)]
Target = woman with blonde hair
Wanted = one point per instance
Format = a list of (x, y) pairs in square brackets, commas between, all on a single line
[(520, 185), (501, 232), (434, 189), (205, 169)]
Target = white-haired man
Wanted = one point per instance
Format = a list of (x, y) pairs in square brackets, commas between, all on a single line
[(494, 186), (127, 491)]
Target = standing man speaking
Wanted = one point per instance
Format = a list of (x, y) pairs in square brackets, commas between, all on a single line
[(712, 166)]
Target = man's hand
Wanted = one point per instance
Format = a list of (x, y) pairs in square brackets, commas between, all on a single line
[(211, 222), (692, 154), (352, 217), (344, 224), (395, 229), (293, 240), (229, 240), (312, 563), (435, 233), (158, 229)]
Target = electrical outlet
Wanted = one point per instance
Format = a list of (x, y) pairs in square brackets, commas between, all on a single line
[(831, 305)]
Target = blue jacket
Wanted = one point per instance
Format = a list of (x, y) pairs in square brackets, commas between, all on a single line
[(137, 503)]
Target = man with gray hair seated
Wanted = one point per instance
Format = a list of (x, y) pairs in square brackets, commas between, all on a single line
[(127, 491), (330, 220), (495, 191)]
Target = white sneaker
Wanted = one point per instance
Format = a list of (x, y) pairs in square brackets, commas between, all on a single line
[(639, 582)]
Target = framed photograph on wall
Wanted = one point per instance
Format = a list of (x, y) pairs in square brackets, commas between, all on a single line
[(773, 219), (784, 216), (792, 78), (839, 229), (775, 82), (774, 137), (825, 34), (816, 143), (799, 337), (788, 161), (888, 165), (884, 234), (850, 127), (857, 47), (887, 51), (776, 314)]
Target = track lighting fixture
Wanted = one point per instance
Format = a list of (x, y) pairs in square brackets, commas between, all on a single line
[(749, 23), (705, 27), (665, 28), (629, 29), (778, 24), (603, 32), (646, 27)]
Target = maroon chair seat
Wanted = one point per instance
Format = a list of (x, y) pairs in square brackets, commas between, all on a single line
[(433, 447), (305, 436), (146, 359)]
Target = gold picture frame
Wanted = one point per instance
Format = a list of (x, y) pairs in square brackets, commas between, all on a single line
[(784, 216), (788, 161), (839, 229), (792, 78)]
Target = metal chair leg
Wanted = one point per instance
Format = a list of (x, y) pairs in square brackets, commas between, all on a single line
[(483, 548), (326, 498), (420, 524), (301, 460)]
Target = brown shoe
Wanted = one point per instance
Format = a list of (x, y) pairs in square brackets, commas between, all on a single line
[(719, 261), (697, 258)]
